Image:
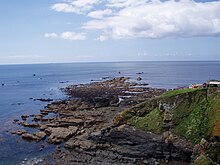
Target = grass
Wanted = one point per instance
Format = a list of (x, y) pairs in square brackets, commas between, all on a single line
[(194, 116), (177, 92), (203, 160), (198, 124), (150, 122)]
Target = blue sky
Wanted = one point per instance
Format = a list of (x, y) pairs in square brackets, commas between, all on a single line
[(50, 31)]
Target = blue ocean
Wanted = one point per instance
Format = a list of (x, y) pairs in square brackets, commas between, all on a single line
[(19, 84)]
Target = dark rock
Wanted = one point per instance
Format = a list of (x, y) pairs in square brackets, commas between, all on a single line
[(140, 73), (24, 117), (16, 120), (139, 79), (130, 142), (80, 143), (44, 100), (18, 132), (62, 82)]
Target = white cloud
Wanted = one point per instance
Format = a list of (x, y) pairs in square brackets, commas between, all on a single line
[(128, 19), (50, 35), (161, 19), (72, 36), (100, 13), (125, 3), (75, 6), (102, 38)]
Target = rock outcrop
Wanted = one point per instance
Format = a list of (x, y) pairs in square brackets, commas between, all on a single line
[(84, 124)]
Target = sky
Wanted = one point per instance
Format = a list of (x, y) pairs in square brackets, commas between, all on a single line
[(60, 31)]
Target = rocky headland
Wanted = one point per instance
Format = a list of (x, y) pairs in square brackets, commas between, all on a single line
[(117, 121)]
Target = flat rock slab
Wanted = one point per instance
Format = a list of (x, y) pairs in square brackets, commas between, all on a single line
[(36, 137), (80, 143), (71, 121), (59, 134)]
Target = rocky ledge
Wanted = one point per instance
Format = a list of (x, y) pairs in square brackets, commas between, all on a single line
[(84, 124)]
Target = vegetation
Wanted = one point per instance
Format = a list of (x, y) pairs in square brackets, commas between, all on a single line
[(203, 160), (177, 92), (194, 114), (150, 122)]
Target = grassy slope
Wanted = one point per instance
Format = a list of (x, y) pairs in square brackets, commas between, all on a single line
[(150, 122), (194, 116)]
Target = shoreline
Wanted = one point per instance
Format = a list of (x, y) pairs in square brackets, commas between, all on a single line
[(84, 124)]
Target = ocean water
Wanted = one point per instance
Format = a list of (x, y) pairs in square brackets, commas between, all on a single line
[(20, 85)]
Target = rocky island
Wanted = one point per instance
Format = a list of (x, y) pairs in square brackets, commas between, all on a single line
[(117, 121)]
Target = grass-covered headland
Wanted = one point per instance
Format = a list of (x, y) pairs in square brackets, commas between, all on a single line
[(193, 114)]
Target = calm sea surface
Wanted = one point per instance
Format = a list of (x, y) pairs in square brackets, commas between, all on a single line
[(20, 85)]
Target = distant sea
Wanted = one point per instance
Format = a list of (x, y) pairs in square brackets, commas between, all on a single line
[(21, 83)]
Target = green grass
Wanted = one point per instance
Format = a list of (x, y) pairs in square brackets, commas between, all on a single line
[(196, 115), (203, 160), (177, 92), (150, 122), (193, 114), (198, 124)]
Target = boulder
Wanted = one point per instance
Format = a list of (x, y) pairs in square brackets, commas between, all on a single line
[(43, 127), (139, 79)]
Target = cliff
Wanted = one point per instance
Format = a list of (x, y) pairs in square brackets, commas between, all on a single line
[(192, 114)]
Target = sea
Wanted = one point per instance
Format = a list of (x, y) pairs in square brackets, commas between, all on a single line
[(20, 85)]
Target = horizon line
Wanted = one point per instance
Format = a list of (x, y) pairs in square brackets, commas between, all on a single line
[(123, 61)]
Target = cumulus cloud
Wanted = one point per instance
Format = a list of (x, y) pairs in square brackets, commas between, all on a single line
[(128, 19), (72, 36), (100, 13), (75, 6), (50, 35), (102, 38)]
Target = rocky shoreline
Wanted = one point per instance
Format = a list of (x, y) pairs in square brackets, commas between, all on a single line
[(84, 125)]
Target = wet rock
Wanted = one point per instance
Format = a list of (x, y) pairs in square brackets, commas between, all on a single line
[(36, 137), (44, 100), (32, 125), (43, 127), (18, 132), (57, 135), (37, 117), (42, 146), (41, 135), (139, 72), (24, 117), (16, 120), (139, 79), (62, 82)]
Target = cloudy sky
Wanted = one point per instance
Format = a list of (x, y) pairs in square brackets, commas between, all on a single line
[(49, 31)]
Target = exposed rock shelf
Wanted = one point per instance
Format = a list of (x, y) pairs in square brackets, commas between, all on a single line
[(87, 124)]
